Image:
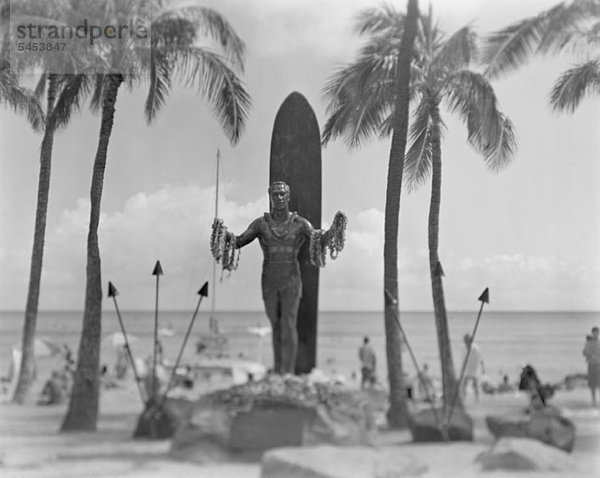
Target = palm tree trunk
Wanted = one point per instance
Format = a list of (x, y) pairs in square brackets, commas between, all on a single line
[(398, 412), (83, 407), (441, 320), (27, 370)]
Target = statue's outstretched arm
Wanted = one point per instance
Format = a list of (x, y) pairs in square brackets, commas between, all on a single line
[(332, 239)]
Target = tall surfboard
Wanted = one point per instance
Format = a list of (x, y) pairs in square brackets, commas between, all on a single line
[(296, 159)]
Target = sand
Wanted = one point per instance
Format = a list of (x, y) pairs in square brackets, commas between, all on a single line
[(32, 447)]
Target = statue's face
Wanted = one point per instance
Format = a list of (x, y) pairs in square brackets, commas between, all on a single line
[(280, 196)]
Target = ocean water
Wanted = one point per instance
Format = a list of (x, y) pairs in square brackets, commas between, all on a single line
[(551, 341)]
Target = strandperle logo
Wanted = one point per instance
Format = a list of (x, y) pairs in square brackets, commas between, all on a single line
[(135, 29)]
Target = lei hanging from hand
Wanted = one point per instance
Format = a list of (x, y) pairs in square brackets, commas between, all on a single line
[(222, 246), (335, 240)]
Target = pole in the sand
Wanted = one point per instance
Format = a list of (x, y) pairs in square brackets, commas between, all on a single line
[(203, 292), (390, 300), (484, 298), (156, 272), (112, 293)]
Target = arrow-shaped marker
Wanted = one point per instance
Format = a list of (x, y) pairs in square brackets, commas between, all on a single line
[(112, 293), (484, 298), (390, 300), (156, 272), (203, 292)]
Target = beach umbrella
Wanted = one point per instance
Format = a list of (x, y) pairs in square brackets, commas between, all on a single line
[(117, 339)]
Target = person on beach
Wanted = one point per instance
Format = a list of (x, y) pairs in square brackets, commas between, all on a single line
[(591, 352), (281, 233), (425, 385), (474, 366), (368, 364)]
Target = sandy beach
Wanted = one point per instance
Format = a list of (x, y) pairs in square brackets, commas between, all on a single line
[(31, 446)]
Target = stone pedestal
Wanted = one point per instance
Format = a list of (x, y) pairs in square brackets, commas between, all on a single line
[(276, 412)]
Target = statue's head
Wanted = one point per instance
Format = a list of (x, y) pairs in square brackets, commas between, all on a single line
[(279, 194)]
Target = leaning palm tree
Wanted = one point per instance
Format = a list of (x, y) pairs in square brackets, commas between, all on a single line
[(371, 97), (568, 27), (64, 94), (173, 54), (441, 74)]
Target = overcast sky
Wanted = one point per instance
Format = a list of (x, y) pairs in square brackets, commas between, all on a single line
[(530, 233)]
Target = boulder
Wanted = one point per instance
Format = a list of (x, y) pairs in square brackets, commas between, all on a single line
[(525, 454), (425, 426), (159, 421), (552, 429), (336, 462), (275, 412), (546, 425)]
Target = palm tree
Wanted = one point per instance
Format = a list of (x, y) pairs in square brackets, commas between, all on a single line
[(63, 96), (173, 54), (371, 97), (441, 74), (569, 27)]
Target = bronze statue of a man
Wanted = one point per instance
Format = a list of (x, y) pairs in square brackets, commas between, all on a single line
[(281, 233)]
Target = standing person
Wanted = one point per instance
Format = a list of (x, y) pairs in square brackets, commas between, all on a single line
[(368, 364), (591, 352), (473, 367), (281, 233)]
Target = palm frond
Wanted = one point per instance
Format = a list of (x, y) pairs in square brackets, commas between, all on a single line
[(97, 93), (378, 20), (219, 84), (360, 98), (550, 31), (160, 85), (574, 84), (499, 155), (471, 96), (211, 23), (40, 88), (508, 49), (21, 100), (418, 158), (72, 91), (457, 52)]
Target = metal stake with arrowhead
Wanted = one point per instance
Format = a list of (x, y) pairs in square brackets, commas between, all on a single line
[(112, 293), (484, 298), (203, 292), (390, 300), (156, 272)]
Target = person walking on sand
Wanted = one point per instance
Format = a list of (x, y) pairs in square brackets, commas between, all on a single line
[(368, 363), (591, 352), (473, 366)]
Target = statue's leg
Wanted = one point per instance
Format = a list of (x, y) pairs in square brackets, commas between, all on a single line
[(290, 301), (272, 308)]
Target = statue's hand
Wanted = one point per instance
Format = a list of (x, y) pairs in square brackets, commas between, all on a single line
[(333, 239), (222, 245)]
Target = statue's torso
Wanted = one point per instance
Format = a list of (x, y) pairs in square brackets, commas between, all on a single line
[(280, 244)]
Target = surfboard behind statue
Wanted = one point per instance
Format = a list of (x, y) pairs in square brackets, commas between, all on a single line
[(296, 159)]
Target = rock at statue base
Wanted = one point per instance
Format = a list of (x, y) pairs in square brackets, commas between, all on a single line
[(161, 422), (424, 426), (525, 454), (546, 425), (335, 462), (275, 412)]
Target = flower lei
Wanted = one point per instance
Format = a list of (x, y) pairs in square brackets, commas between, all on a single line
[(335, 240), (222, 246)]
